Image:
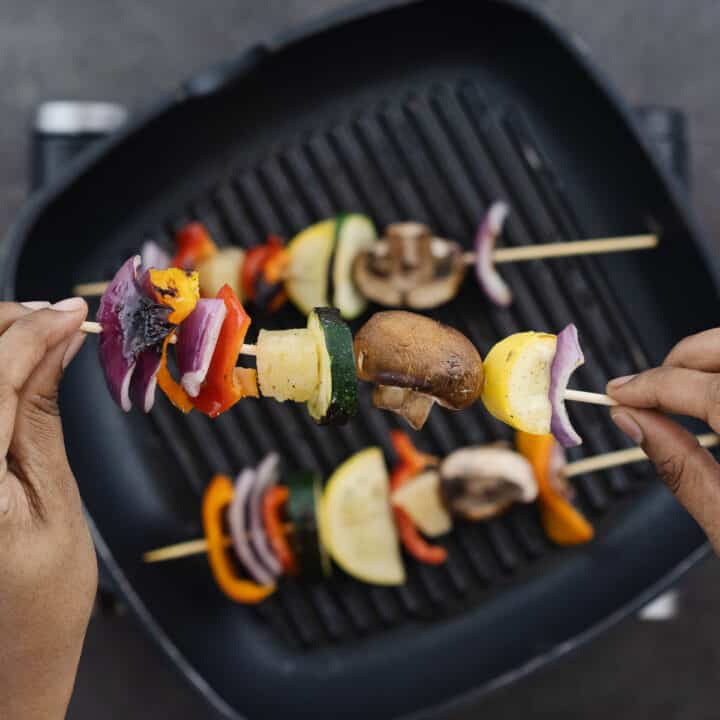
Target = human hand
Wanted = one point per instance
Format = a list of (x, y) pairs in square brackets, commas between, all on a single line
[(48, 569), (688, 383)]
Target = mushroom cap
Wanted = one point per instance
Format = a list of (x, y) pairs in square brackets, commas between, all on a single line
[(481, 482), (409, 267), (407, 350)]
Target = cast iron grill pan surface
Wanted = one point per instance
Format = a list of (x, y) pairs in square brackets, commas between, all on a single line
[(401, 115)]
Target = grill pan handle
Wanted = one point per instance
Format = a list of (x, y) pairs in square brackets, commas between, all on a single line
[(63, 129)]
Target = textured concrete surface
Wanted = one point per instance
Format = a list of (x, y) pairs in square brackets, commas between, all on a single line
[(657, 52)]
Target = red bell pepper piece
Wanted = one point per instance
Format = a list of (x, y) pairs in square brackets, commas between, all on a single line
[(265, 263), (225, 383), (273, 503), (194, 245), (412, 462)]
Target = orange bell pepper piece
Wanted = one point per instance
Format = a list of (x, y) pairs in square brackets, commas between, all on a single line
[(563, 523), (177, 289), (273, 503), (225, 383), (194, 245), (174, 390), (412, 462), (217, 497)]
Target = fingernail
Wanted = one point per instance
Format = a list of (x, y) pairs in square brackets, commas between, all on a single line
[(627, 424), (36, 304), (617, 382), (72, 304), (73, 348)]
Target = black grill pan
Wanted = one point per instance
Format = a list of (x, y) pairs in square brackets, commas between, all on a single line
[(423, 111)]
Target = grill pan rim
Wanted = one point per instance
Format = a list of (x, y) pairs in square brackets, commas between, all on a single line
[(246, 63)]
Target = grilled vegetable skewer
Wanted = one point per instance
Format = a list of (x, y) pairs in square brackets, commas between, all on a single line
[(95, 328), (341, 262), (350, 520)]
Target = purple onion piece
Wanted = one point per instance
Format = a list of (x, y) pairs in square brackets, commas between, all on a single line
[(241, 536), (268, 474), (197, 338), (488, 278), (117, 363), (568, 357), (153, 256), (132, 323), (144, 380)]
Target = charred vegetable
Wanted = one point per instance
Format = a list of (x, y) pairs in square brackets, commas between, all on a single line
[(335, 399), (481, 482), (409, 267), (416, 361), (132, 322)]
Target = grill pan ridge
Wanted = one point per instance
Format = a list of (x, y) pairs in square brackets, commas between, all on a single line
[(435, 143)]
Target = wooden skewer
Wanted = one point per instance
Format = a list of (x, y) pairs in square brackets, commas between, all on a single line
[(579, 467), (90, 289), (589, 397), (500, 255), (186, 549), (567, 249), (576, 395), (95, 328), (622, 457)]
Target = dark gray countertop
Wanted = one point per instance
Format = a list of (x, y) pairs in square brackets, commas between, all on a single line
[(656, 52)]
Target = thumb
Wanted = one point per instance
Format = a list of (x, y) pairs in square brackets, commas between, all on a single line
[(38, 444), (690, 471)]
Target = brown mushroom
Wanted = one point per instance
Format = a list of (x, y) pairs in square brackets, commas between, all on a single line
[(480, 482), (416, 361), (409, 267)]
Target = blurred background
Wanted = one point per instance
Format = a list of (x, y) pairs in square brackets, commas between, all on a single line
[(656, 52)]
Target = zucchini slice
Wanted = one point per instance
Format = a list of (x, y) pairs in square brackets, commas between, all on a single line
[(335, 400), (302, 511), (310, 254), (355, 233), (287, 364), (356, 521)]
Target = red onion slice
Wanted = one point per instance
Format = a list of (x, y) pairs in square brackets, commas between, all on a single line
[(568, 357), (197, 338), (144, 380), (117, 364), (488, 278), (153, 256), (241, 535), (268, 473), (132, 323)]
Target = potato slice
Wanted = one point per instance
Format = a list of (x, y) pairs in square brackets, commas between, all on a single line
[(421, 499), (224, 267), (287, 364), (517, 381)]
